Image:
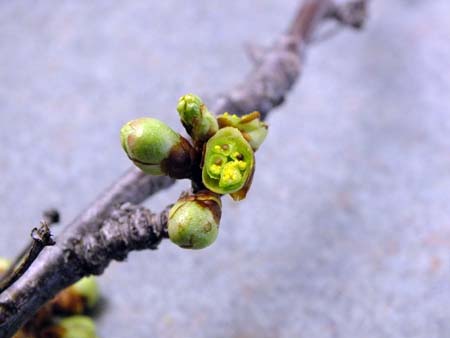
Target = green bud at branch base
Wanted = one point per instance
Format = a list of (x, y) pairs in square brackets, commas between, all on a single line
[(156, 149), (77, 298), (194, 220), (228, 163), (71, 327), (87, 288), (199, 123), (73, 300), (250, 125)]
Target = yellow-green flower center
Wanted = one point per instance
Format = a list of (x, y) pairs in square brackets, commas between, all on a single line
[(228, 161), (226, 165)]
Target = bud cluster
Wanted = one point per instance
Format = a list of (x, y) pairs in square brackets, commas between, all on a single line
[(219, 161)]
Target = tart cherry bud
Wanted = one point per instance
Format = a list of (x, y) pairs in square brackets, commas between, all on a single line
[(157, 149), (199, 123), (194, 220)]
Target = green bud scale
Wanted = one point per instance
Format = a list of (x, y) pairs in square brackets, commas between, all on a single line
[(156, 149), (194, 220)]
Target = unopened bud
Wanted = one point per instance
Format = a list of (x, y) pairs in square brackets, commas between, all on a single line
[(199, 123), (77, 298), (156, 149), (194, 220), (87, 288)]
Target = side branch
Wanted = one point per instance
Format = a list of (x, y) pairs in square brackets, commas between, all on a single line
[(277, 70), (41, 238)]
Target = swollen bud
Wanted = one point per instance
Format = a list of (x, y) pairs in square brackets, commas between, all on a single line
[(194, 220), (199, 123), (77, 298), (228, 163), (250, 125), (71, 327), (87, 288), (156, 149)]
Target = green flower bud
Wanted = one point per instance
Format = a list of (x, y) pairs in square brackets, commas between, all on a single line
[(251, 127), (4, 265), (199, 123), (194, 220), (71, 327), (228, 162), (87, 288), (156, 149), (77, 298)]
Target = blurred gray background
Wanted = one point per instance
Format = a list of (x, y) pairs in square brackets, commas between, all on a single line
[(346, 231)]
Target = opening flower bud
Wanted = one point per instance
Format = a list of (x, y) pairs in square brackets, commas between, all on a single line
[(194, 220), (156, 149), (77, 298), (71, 327), (228, 162), (199, 123), (250, 125)]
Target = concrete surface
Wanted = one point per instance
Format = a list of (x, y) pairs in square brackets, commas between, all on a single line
[(346, 231)]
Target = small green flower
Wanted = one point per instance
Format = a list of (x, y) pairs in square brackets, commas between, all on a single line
[(156, 149), (194, 220), (71, 327), (199, 123), (250, 125), (228, 162)]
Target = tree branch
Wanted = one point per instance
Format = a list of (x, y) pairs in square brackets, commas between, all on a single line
[(40, 238), (128, 228), (109, 229)]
